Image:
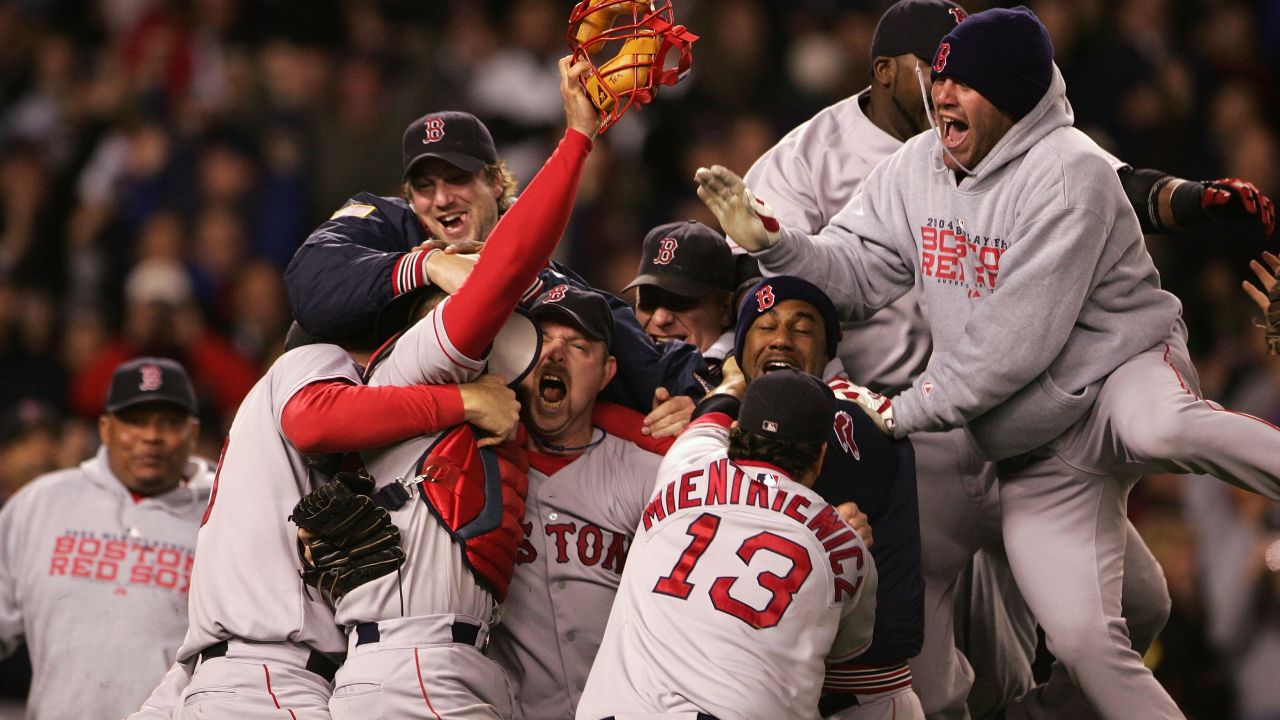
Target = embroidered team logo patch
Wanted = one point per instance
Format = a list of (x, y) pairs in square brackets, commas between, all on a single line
[(765, 298), (958, 14), (843, 428), (666, 251), (435, 131), (926, 388), (556, 293), (353, 210), (151, 378), (940, 60)]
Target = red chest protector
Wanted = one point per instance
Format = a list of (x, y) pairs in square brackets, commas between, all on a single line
[(478, 494)]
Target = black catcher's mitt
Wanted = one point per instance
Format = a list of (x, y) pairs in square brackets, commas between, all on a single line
[(349, 540)]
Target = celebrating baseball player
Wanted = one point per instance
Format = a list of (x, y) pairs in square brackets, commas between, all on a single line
[(807, 178), (95, 561), (1006, 173), (741, 581), (415, 636), (590, 476), (786, 322)]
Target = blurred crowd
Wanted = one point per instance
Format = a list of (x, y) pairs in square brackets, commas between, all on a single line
[(160, 162)]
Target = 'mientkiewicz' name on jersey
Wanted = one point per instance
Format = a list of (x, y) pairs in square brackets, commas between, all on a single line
[(835, 535)]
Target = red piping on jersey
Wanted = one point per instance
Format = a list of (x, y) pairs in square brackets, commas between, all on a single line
[(272, 693), (417, 664), (1212, 406)]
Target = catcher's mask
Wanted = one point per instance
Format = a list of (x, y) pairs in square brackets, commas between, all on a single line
[(636, 36)]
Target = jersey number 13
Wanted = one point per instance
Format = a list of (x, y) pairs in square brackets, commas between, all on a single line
[(783, 587)]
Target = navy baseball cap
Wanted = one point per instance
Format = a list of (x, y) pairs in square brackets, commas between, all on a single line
[(687, 258), (150, 379), (586, 310), (458, 138), (914, 27), (771, 291), (789, 405)]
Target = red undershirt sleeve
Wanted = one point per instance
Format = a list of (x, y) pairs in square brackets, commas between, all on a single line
[(335, 416), (519, 246)]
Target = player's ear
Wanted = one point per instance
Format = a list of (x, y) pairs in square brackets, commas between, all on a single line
[(610, 369), (822, 456), (884, 70), (103, 423)]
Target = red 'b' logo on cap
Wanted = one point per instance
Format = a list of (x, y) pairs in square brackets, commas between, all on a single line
[(666, 251), (940, 60), (151, 378), (556, 293), (764, 298), (843, 428), (435, 131), (959, 14)]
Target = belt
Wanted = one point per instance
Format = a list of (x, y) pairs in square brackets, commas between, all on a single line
[(701, 716), (317, 662), (832, 703), (461, 632)]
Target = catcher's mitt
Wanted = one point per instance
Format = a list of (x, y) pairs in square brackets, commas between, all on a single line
[(1273, 320), (349, 541)]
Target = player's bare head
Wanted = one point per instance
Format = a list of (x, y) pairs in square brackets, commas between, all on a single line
[(559, 395), (784, 421), (906, 37), (785, 322), (988, 73), (684, 284), (149, 429), (453, 178)]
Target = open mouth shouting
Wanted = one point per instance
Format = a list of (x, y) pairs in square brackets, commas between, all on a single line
[(954, 132), (779, 362), (553, 387), (452, 225)]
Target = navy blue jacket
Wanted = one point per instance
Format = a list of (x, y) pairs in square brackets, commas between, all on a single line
[(340, 288)]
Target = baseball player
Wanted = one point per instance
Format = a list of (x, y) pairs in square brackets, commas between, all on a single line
[(807, 178), (416, 636), (787, 322), (1047, 407), (590, 476), (742, 581), (95, 561), (359, 269)]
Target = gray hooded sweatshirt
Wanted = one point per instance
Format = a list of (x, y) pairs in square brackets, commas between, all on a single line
[(1032, 272)]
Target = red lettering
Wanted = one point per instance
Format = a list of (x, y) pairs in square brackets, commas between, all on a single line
[(64, 545), (782, 587), (793, 508), (779, 497), (838, 539), (616, 556), (590, 545), (654, 512), (167, 578), (116, 550), (526, 553), (89, 546), (717, 482), (560, 530), (826, 522), (142, 553), (844, 589), (168, 557), (58, 566), (758, 495), (686, 490), (838, 557), (140, 575), (81, 567), (735, 494), (107, 570), (671, 498)]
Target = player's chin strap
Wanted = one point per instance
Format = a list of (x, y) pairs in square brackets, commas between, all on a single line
[(938, 166), (563, 449)]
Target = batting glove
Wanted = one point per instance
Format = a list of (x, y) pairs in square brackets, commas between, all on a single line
[(1236, 199), (746, 219), (876, 406)]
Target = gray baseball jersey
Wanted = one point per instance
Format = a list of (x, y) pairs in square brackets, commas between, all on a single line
[(739, 585), (580, 516), (434, 578), (246, 583), (90, 576)]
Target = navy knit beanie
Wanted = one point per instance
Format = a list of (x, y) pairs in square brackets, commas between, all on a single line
[(1003, 54), (773, 290)]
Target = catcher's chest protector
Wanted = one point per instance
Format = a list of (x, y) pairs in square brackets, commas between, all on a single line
[(478, 495)]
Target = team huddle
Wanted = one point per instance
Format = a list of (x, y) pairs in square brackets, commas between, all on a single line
[(477, 487)]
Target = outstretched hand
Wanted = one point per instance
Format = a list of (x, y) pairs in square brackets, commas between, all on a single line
[(1268, 298), (746, 219), (579, 113), (669, 416)]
